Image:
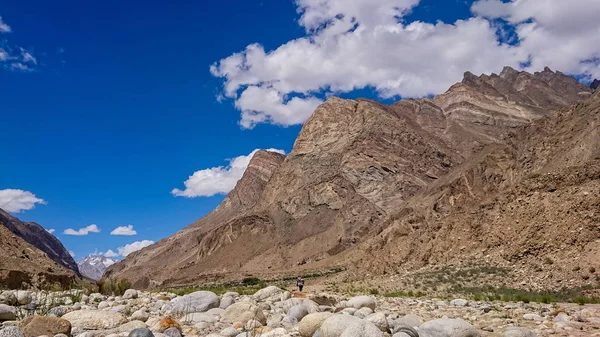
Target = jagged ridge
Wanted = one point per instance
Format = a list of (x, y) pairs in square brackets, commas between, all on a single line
[(354, 166)]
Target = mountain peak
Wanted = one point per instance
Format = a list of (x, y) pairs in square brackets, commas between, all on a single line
[(93, 266), (248, 189), (469, 77), (508, 72)]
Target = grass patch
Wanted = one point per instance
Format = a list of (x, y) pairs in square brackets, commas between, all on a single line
[(575, 295), (115, 287), (247, 286), (409, 294)]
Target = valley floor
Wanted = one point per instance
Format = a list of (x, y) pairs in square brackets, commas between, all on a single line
[(273, 311)]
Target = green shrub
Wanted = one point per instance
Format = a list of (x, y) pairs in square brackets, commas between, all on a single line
[(581, 300), (251, 281)]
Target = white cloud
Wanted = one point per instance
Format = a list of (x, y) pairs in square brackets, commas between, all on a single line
[(15, 201), (260, 104), (51, 230), (110, 253), (14, 58), (4, 28), (82, 231), (563, 35), (217, 180), (129, 248), (134, 247), (354, 44), (124, 230)]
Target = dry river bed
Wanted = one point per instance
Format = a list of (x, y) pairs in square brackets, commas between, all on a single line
[(274, 312)]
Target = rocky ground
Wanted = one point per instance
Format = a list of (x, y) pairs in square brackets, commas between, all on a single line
[(272, 312)]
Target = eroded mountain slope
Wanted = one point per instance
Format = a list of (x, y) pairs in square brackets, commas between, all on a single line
[(37, 236), (24, 265), (379, 187), (534, 199)]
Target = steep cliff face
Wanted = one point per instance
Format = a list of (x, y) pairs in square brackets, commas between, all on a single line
[(37, 236), (365, 182), (533, 198), (24, 265)]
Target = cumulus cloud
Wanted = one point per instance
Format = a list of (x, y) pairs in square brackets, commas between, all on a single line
[(110, 253), (14, 58), (128, 248), (354, 44), (4, 28), (217, 180), (124, 230), (563, 35), (82, 231), (51, 230), (15, 201), (134, 247)]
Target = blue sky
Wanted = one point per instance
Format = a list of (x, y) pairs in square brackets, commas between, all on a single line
[(107, 106)]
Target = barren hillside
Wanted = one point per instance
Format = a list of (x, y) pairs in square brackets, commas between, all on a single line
[(489, 168)]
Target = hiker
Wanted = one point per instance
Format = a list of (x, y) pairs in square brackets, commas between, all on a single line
[(300, 283)]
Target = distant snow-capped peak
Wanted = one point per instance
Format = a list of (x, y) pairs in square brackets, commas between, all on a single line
[(93, 266)]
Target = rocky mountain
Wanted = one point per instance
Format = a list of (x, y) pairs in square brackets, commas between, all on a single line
[(37, 236), (595, 84), (93, 266), (531, 203), (418, 183), (25, 265)]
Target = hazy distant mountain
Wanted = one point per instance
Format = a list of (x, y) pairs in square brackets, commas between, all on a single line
[(94, 266)]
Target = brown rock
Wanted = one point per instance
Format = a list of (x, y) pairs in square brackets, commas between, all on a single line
[(48, 326), (167, 323)]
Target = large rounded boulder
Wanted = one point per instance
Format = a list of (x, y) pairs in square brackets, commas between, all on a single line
[(270, 293), (446, 327), (199, 301), (348, 326), (243, 312), (359, 302), (312, 322), (45, 326), (95, 319)]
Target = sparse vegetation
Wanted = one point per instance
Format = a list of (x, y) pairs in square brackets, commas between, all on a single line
[(113, 286), (504, 294)]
